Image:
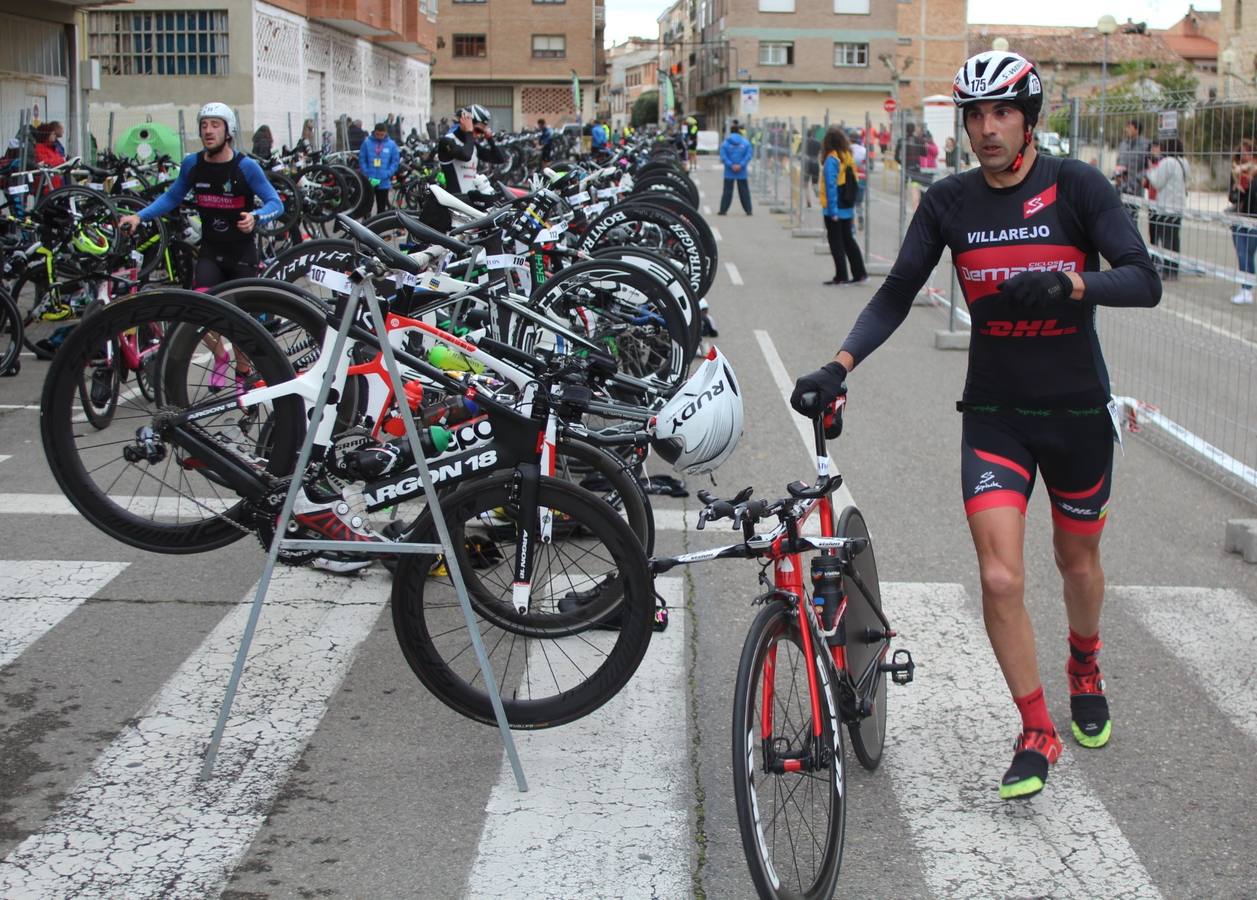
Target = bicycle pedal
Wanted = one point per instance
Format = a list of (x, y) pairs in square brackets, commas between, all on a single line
[(901, 667)]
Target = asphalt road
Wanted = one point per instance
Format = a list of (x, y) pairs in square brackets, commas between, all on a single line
[(341, 776)]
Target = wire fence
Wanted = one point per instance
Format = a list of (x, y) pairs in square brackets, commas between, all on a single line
[(1186, 371)]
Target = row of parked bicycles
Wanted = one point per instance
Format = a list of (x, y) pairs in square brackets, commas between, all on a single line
[(554, 343)]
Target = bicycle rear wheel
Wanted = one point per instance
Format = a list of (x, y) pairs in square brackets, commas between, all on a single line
[(792, 822), (553, 665), (868, 733), (132, 479)]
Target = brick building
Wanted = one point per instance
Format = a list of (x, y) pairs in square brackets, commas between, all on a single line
[(632, 70), (932, 42), (808, 59), (276, 63), (517, 58), (1195, 38)]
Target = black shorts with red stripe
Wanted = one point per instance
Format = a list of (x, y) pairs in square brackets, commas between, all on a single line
[(1000, 456)]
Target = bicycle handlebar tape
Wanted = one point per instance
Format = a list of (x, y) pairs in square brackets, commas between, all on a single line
[(827, 593)]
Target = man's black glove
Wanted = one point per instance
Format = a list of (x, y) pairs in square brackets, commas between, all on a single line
[(820, 388), (1037, 291)]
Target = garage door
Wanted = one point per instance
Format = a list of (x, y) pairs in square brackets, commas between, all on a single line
[(500, 101)]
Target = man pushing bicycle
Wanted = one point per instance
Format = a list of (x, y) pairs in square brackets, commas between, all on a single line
[(1026, 232)]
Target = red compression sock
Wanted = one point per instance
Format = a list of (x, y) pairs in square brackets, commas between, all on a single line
[(1082, 653), (1034, 712)]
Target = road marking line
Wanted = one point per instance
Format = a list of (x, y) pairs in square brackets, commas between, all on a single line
[(3, 458), (26, 406), (949, 739), (842, 496), (36, 594), (706, 209), (166, 507), (141, 823), (1217, 648), (608, 794), (715, 233), (734, 275)]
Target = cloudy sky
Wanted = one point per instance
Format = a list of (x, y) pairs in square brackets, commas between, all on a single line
[(637, 17)]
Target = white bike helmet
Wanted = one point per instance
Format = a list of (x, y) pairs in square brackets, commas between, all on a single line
[(479, 115), (1000, 75), (219, 111), (700, 426)]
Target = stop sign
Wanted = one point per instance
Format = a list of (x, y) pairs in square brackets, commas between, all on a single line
[(889, 104)]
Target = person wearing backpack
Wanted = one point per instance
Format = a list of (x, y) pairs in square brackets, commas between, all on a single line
[(839, 190), (735, 153)]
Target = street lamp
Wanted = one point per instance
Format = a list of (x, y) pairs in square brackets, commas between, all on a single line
[(1106, 26)]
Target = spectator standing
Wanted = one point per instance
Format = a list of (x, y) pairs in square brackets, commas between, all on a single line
[(58, 131), (307, 133), (1244, 202), (953, 156), (46, 153), (356, 135), (263, 142), (929, 156), (861, 157), (1132, 160), (812, 157), (599, 139), (545, 140), (378, 159), (735, 153), (839, 189), (1167, 176), (883, 139)]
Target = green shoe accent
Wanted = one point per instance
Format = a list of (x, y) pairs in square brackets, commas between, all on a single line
[(1096, 741), (1027, 787)]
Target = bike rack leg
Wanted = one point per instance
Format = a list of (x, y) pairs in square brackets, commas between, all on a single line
[(451, 559)]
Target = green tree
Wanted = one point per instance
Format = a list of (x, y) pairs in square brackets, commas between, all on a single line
[(646, 109)]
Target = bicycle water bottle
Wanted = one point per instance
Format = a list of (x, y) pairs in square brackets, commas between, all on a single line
[(827, 595)]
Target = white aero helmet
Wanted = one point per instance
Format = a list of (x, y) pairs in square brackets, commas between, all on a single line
[(699, 427), (222, 111)]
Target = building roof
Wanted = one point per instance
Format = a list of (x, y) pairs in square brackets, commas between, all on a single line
[(1077, 46), (1191, 46)]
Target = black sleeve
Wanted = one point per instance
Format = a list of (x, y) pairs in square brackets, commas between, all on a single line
[(1132, 280), (919, 254), (454, 147), (488, 151)]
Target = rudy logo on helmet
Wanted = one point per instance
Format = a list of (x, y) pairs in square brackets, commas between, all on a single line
[(699, 427)]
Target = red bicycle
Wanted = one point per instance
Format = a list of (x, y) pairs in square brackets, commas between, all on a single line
[(809, 664)]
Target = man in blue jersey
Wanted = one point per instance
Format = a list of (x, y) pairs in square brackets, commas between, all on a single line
[(224, 185), (1026, 233)]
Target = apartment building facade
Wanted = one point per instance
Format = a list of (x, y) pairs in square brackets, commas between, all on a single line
[(522, 59), (632, 70), (808, 59), (277, 64), (932, 42), (44, 72)]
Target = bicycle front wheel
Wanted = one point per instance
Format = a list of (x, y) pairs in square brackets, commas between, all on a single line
[(789, 782), (589, 618), (868, 732)]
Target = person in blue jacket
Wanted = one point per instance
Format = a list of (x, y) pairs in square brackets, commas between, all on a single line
[(378, 158), (839, 192), (599, 137), (735, 153)]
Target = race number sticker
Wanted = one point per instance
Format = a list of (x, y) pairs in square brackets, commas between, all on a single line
[(553, 233), (577, 199), (332, 280), (505, 261), (1116, 415)]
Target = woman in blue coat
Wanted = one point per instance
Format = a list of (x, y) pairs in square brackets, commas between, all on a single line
[(839, 192), (735, 153), (378, 158)]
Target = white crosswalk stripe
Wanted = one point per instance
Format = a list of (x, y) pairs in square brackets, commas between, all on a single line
[(171, 506), (1211, 633), (607, 794), (950, 734), (141, 824), (36, 594)]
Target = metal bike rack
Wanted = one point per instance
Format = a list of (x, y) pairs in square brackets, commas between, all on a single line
[(360, 291)]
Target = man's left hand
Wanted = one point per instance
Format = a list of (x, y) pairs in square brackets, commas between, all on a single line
[(246, 222), (1037, 290)]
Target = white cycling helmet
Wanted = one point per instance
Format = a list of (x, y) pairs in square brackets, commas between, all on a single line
[(1000, 75), (218, 111), (699, 427)]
